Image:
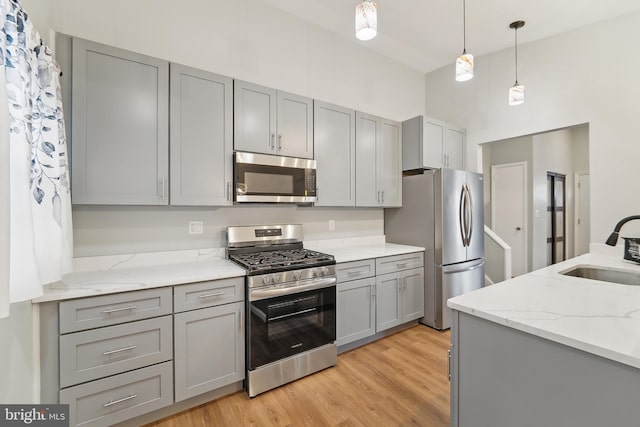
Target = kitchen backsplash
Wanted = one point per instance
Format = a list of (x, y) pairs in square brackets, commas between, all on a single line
[(115, 230)]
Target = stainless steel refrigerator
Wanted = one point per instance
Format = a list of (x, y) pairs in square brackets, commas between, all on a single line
[(443, 211)]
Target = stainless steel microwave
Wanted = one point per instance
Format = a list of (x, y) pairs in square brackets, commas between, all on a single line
[(264, 178)]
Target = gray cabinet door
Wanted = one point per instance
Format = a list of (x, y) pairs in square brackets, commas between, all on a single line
[(254, 124), (390, 163), (120, 126), (209, 349), (433, 140), (201, 137), (294, 125), (335, 154), (356, 310), (454, 148), (388, 302), (367, 135), (412, 294)]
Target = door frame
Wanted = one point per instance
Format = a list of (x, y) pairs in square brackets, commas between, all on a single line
[(525, 191), (576, 210)]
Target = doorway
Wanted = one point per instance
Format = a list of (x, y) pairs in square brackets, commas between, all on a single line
[(556, 218), (509, 211)]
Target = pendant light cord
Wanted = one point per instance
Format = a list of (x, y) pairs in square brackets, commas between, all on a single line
[(516, 56), (464, 27)]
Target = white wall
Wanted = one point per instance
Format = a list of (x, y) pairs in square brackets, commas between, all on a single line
[(585, 76)]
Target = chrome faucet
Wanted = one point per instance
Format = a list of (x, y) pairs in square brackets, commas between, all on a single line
[(613, 237)]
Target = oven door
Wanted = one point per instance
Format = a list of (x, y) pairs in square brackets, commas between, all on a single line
[(283, 322), (265, 178)]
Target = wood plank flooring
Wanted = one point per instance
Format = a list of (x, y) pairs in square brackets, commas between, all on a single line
[(400, 380)]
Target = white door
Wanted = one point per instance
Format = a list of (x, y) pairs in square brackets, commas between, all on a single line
[(582, 213), (509, 211)]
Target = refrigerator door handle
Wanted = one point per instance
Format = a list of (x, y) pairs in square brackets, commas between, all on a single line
[(467, 215), (462, 217), (470, 215), (460, 270)]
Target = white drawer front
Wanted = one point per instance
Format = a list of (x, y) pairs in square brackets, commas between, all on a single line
[(120, 397), (356, 270), (208, 294), (391, 264), (107, 310), (88, 355)]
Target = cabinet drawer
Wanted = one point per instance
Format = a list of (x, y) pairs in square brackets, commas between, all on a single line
[(395, 263), (88, 355), (107, 310), (355, 270), (120, 397), (207, 294)]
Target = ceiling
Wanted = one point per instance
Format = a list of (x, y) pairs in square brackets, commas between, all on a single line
[(427, 34)]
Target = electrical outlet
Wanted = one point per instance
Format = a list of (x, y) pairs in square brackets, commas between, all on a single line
[(332, 225), (196, 227)]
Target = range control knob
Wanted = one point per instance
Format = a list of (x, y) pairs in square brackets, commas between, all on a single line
[(296, 275), (277, 278), (324, 270), (266, 279)]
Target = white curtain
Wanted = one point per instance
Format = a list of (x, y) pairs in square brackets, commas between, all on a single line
[(41, 240)]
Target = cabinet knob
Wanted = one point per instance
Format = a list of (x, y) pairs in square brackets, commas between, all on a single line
[(518, 228)]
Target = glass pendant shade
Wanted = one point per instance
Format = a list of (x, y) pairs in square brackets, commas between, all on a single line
[(516, 94), (366, 20), (464, 67)]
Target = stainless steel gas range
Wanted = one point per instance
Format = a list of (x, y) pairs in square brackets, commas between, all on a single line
[(291, 304)]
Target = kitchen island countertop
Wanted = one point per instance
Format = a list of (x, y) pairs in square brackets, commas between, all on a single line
[(598, 317)]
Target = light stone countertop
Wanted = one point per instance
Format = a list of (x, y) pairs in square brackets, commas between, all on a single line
[(598, 317), (102, 275)]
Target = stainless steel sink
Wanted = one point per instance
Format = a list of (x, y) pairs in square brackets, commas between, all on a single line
[(604, 274)]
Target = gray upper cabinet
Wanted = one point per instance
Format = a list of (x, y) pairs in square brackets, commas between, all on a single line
[(431, 143), (120, 126), (335, 153), (378, 161), (272, 122), (201, 123)]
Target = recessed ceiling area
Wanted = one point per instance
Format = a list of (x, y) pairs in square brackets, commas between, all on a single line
[(427, 34)]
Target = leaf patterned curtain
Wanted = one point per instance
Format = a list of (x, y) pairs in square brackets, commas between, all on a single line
[(41, 239)]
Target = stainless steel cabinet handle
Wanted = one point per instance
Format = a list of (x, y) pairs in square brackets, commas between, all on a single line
[(124, 399), (279, 142), (353, 273), (378, 199), (131, 347), (228, 190), (401, 264), (383, 197), (162, 182), (215, 294), (449, 364), (273, 141), (116, 310), (240, 320)]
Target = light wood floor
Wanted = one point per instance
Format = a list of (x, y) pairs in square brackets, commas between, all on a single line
[(400, 380)]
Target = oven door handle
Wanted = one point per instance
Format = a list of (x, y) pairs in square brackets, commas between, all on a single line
[(297, 287)]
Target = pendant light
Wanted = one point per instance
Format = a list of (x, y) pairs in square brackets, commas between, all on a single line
[(464, 63), (366, 20), (516, 92)]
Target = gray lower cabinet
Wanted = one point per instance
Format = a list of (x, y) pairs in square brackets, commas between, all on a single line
[(201, 131), (209, 334), (399, 290), (335, 153), (272, 122), (356, 307), (120, 146), (503, 377), (120, 397), (118, 356), (209, 349), (378, 161)]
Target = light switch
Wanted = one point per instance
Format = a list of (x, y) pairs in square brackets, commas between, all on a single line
[(196, 227)]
